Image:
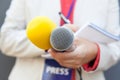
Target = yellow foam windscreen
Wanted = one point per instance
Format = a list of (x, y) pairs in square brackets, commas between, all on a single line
[(38, 31)]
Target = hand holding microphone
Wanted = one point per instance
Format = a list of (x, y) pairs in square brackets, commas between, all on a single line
[(39, 32), (79, 52), (69, 50)]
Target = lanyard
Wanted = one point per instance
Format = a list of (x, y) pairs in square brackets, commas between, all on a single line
[(67, 7), (71, 9)]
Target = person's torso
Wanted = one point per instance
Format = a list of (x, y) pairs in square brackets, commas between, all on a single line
[(85, 11), (94, 11)]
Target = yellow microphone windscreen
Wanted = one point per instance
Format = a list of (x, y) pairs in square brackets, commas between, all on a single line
[(39, 30)]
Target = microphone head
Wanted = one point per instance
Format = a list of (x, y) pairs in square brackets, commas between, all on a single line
[(61, 38), (39, 30)]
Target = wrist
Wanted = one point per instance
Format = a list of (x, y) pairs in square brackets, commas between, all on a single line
[(92, 65)]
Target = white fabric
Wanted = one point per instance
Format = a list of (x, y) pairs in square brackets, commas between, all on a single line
[(29, 65)]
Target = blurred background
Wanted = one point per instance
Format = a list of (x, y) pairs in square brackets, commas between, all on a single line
[(6, 63)]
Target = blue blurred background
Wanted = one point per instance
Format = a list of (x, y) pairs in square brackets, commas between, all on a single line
[(6, 63)]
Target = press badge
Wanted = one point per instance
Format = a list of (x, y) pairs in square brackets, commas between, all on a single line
[(53, 71)]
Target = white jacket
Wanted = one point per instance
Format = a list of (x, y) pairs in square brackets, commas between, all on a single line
[(29, 65)]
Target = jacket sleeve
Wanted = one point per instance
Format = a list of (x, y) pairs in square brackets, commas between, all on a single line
[(109, 53), (13, 36)]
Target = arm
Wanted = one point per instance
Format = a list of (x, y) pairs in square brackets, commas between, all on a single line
[(13, 36), (110, 53)]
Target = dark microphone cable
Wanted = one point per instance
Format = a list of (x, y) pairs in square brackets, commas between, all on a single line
[(80, 73)]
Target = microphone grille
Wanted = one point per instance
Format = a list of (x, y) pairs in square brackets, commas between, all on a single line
[(61, 38)]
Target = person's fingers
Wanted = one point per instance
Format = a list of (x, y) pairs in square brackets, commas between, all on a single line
[(61, 55), (71, 65), (69, 60)]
